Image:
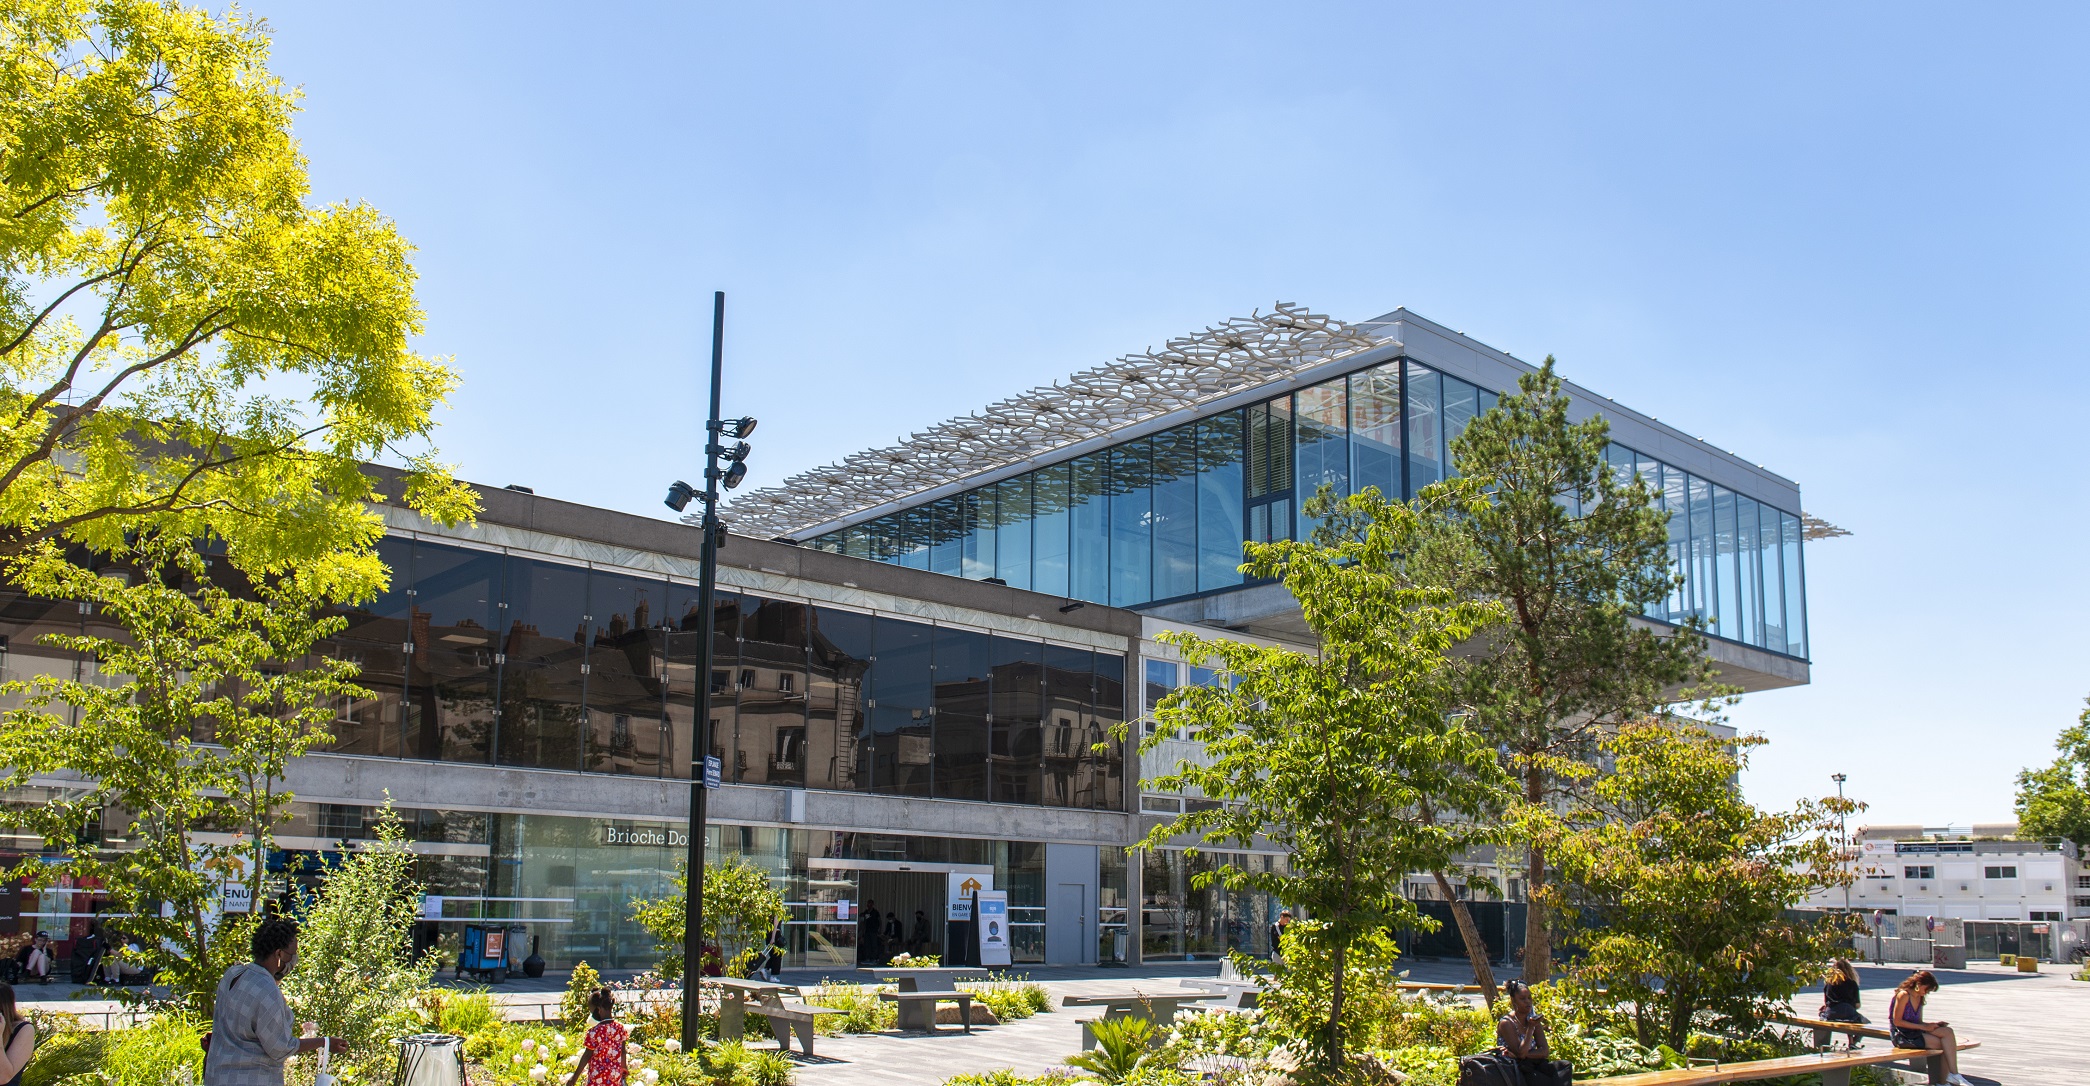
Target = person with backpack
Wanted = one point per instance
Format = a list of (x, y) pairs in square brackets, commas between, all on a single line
[(17, 1039), (602, 1048), (252, 1031)]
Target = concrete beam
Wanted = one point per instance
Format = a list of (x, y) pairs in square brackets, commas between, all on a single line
[(339, 778)]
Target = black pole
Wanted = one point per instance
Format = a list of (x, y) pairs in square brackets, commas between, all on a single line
[(707, 581)]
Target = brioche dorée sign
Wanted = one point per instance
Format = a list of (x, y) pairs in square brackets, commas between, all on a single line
[(644, 837)]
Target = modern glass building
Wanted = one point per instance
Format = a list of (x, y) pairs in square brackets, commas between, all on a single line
[(920, 654), (1152, 512)]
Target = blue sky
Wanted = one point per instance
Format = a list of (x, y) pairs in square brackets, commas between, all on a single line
[(1844, 241)]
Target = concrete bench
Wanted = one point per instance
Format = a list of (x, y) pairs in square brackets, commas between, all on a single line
[(918, 1009), (786, 1019), (1159, 1009), (1833, 1067)]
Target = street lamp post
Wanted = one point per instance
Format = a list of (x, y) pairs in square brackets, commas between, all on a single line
[(679, 495), (1843, 839)]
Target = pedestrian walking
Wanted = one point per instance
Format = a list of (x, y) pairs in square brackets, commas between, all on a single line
[(252, 1032), (1277, 930), (602, 1049), (17, 1039)]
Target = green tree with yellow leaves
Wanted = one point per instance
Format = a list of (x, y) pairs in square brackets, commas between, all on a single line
[(197, 364)]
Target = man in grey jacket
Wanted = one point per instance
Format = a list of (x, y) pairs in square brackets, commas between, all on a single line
[(252, 1031)]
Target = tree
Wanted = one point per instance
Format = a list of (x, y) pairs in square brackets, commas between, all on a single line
[(357, 973), (1684, 889), (2055, 802), (741, 907), (1332, 756), (184, 728), (187, 347), (1575, 553)]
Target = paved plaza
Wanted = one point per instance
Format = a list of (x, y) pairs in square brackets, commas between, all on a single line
[(2031, 1025)]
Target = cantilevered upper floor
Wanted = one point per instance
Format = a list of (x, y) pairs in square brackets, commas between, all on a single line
[(1136, 482)]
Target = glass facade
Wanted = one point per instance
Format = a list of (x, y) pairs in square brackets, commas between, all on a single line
[(1163, 517), (505, 659), (1183, 922), (569, 882)]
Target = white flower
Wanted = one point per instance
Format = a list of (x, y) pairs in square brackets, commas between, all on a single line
[(518, 1057), (630, 1048), (650, 1075), (672, 1045), (528, 1044), (537, 1073)]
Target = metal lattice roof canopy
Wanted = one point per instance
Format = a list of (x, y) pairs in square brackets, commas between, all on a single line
[(1241, 353)]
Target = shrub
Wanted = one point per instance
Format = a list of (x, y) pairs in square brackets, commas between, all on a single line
[(1428, 1065), (657, 1021), (1008, 1004), (512, 1051), (573, 1008), (1122, 1044), (1447, 1023), (1603, 1051), (462, 1013), (735, 1064), (1008, 1077), (742, 905), (915, 961), (1214, 1045), (356, 974), (866, 1012), (1010, 999), (1154, 1073), (166, 1050), (64, 1048)]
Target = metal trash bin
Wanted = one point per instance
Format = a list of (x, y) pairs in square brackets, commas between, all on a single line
[(430, 1059)]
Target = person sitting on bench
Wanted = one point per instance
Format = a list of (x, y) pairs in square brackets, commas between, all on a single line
[(1522, 1035), (1840, 997), (1905, 1016)]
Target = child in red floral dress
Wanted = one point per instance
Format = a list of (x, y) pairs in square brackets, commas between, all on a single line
[(602, 1050)]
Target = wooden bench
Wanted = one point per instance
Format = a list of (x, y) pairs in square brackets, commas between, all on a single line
[(786, 1019), (918, 1009), (1437, 986), (1833, 1067), (1823, 1027)]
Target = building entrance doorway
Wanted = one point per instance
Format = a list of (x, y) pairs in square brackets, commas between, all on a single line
[(910, 914), (832, 929)]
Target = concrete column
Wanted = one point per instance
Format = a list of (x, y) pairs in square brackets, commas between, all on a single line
[(1135, 912)]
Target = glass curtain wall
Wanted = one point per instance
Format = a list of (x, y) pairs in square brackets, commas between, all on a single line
[(483, 657), (1163, 517), (1181, 922)]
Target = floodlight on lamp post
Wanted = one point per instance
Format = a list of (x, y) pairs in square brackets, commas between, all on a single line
[(1843, 838), (680, 494)]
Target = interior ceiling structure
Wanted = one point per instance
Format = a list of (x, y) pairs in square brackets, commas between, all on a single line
[(1240, 353)]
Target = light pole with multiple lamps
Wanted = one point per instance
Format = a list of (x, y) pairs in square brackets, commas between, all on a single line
[(1843, 839), (701, 777)]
